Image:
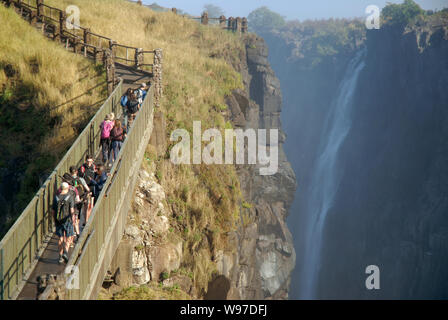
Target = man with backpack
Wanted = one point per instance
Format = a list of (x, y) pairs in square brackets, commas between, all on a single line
[(63, 209), (132, 106), (82, 194), (124, 100)]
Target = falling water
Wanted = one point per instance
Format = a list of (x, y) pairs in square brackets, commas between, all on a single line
[(326, 178)]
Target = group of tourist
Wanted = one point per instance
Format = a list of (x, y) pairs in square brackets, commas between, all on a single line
[(75, 198)]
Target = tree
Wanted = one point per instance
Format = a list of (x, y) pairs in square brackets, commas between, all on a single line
[(264, 20), (213, 11), (401, 14)]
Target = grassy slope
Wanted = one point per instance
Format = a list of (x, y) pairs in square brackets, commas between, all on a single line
[(195, 84), (38, 116)]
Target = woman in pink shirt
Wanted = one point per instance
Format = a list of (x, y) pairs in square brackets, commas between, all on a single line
[(106, 127)]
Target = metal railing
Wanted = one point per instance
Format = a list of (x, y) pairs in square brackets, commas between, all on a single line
[(100, 229), (33, 228)]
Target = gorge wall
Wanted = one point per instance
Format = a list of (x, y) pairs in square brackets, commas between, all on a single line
[(389, 207)]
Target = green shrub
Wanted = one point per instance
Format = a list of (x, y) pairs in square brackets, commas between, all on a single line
[(401, 14)]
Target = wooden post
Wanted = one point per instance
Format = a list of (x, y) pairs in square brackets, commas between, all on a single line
[(222, 22), (238, 25), (40, 9), (244, 25), (108, 62), (231, 23), (157, 75), (204, 18), (138, 57), (139, 2), (113, 48), (86, 36), (174, 10), (61, 25)]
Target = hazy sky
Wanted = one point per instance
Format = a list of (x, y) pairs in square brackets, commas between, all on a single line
[(292, 9)]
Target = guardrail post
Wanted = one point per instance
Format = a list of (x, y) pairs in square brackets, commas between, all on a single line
[(238, 25), (113, 48), (86, 36), (39, 4), (222, 22), (204, 18), (230, 24), (138, 58), (244, 25), (60, 25), (157, 74), (108, 62)]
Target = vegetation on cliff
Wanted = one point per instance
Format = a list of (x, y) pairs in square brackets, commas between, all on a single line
[(41, 112)]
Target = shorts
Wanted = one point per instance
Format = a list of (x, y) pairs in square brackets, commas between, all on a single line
[(65, 227)]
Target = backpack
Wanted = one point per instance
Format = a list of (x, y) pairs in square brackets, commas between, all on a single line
[(117, 134), (132, 106), (74, 182), (124, 100), (106, 127), (63, 211)]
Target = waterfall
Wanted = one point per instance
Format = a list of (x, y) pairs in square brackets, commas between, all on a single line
[(326, 176)]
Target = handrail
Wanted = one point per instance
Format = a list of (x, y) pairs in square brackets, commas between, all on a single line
[(28, 233)]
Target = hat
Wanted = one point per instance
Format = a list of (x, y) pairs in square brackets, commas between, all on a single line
[(64, 185), (107, 117), (143, 85)]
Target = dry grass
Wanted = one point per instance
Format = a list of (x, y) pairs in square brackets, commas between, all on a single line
[(46, 98), (53, 76), (147, 292)]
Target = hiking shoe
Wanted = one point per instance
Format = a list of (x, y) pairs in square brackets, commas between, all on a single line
[(61, 260), (65, 257)]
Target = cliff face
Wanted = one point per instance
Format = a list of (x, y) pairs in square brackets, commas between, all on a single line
[(266, 256), (259, 255), (389, 207)]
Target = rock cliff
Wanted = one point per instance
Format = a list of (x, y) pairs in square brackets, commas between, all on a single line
[(389, 208)]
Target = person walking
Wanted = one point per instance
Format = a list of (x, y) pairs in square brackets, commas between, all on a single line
[(123, 102), (117, 137), (63, 209), (133, 106), (106, 127)]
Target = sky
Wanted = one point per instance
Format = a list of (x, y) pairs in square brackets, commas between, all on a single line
[(292, 9)]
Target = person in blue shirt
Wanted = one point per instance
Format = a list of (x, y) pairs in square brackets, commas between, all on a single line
[(124, 100), (99, 181)]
